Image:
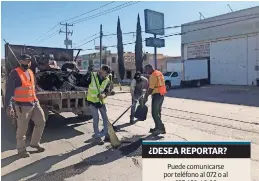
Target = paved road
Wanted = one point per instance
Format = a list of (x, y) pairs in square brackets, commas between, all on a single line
[(69, 158)]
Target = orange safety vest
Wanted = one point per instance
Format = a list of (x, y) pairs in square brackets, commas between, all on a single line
[(160, 82), (25, 93)]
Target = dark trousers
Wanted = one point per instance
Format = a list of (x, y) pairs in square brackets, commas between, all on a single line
[(157, 101)]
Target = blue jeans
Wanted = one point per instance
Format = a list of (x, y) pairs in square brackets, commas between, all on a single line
[(95, 114)]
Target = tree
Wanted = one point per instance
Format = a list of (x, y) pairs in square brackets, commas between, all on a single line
[(120, 51), (138, 48)]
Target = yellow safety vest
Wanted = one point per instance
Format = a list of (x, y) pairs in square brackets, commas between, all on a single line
[(92, 94)]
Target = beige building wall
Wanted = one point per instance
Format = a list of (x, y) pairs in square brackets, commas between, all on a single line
[(129, 62)]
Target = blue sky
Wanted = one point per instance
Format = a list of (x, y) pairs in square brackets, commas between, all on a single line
[(24, 22)]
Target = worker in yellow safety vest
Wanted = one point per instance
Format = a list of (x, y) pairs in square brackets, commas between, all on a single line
[(98, 90)]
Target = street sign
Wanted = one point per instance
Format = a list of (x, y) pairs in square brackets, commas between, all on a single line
[(155, 42), (154, 22)]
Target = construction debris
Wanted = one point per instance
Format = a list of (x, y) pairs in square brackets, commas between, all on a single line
[(60, 81)]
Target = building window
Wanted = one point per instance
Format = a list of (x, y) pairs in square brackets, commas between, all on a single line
[(91, 62), (113, 59)]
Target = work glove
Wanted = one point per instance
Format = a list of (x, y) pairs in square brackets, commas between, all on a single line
[(145, 99), (101, 97), (112, 93), (10, 112)]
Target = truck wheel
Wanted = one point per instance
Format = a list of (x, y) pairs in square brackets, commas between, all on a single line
[(168, 85)]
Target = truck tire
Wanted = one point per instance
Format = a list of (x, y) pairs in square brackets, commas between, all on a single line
[(168, 85)]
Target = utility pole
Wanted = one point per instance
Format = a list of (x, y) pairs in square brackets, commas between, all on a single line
[(67, 33), (155, 54), (101, 39)]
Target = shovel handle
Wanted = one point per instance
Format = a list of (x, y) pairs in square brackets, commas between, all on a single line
[(126, 110)]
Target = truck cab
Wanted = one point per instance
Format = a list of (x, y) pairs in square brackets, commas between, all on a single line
[(172, 79)]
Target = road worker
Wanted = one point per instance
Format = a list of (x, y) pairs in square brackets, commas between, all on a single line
[(97, 92), (23, 104), (138, 84), (157, 89), (111, 82)]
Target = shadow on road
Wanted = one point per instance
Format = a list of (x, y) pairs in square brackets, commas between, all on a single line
[(239, 95), (41, 166), (56, 128), (102, 158)]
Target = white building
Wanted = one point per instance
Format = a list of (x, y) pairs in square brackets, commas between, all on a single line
[(230, 42)]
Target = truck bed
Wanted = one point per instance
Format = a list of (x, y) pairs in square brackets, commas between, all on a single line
[(50, 95), (72, 101)]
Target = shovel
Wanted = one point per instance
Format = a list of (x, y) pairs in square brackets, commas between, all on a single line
[(125, 112)]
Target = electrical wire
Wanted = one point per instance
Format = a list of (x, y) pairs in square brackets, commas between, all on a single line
[(68, 20), (169, 27), (44, 34), (88, 12), (189, 24), (88, 37), (48, 37), (105, 12), (87, 42), (170, 35)]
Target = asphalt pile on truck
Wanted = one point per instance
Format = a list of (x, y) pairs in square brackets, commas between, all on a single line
[(59, 80)]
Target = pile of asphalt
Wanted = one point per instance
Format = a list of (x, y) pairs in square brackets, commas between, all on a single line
[(60, 81)]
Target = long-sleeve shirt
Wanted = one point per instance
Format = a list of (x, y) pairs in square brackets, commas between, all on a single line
[(136, 88), (87, 82), (14, 81)]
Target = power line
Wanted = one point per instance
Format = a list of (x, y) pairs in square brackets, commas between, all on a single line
[(88, 11), (170, 35), (87, 42), (48, 37), (88, 37), (105, 12), (178, 26), (71, 19), (44, 34), (169, 27)]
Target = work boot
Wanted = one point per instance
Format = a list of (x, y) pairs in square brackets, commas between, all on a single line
[(106, 139), (132, 121), (98, 140), (39, 148), (152, 130), (158, 132), (23, 154)]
